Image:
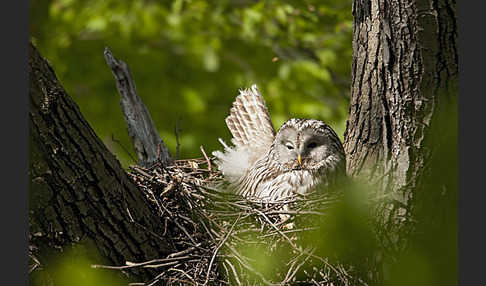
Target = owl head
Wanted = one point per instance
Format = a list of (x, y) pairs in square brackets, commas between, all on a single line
[(307, 144)]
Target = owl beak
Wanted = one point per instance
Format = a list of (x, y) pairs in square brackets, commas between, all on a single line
[(299, 159)]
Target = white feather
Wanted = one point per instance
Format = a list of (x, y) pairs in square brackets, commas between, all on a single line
[(233, 162)]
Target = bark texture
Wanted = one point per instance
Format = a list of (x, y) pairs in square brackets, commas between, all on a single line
[(404, 64), (79, 192)]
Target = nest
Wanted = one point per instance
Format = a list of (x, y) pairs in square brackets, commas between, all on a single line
[(223, 239)]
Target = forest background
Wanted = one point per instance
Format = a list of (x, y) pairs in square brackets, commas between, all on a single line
[(189, 58)]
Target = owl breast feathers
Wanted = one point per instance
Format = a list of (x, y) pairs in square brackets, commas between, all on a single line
[(270, 166)]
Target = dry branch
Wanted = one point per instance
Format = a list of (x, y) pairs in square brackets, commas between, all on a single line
[(148, 145)]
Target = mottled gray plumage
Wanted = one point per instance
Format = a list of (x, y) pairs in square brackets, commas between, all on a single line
[(265, 165)]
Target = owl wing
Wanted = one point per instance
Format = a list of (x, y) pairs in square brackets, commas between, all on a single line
[(253, 133), (249, 121)]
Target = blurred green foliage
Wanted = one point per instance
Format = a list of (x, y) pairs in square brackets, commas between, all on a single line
[(73, 267), (189, 58)]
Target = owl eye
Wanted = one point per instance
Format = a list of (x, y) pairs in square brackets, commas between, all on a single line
[(289, 146), (312, 145)]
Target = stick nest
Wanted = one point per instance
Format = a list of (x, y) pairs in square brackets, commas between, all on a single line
[(223, 239)]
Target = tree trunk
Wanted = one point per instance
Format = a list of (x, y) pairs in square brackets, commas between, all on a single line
[(405, 65), (79, 192), (404, 68)]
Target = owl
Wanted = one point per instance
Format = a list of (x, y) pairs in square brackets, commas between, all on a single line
[(270, 166)]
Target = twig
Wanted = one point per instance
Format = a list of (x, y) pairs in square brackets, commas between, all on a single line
[(123, 147), (186, 251), (177, 129), (206, 157), (185, 231), (142, 264), (217, 249), (35, 265), (184, 273), (297, 268), (139, 170), (234, 271), (248, 267)]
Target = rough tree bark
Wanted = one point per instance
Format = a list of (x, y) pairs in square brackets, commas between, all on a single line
[(405, 65), (79, 192)]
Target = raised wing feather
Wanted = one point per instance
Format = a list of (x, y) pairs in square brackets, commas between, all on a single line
[(249, 121), (253, 133)]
